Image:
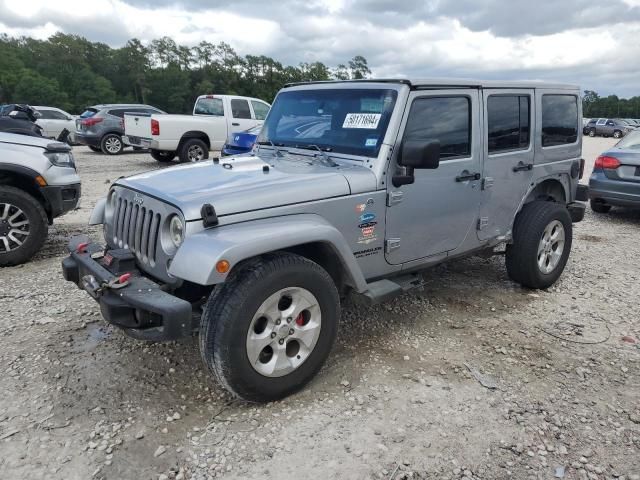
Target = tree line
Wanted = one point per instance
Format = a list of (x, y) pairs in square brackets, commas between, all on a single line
[(595, 106), (70, 72)]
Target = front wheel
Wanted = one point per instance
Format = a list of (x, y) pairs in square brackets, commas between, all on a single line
[(23, 226), (542, 235), (162, 155), (269, 328)]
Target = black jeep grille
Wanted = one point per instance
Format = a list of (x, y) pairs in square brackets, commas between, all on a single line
[(137, 228)]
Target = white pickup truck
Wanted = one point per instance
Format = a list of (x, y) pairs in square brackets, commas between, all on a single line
[(191, 137)]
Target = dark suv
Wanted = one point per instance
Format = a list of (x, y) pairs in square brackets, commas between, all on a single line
[(607, 127), (101, 127)]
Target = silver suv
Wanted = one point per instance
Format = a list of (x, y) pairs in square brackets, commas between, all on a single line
[(38, 182), (354, 188), (101, 127)]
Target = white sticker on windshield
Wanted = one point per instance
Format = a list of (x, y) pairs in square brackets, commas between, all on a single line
[(361, 120), (371, 142)]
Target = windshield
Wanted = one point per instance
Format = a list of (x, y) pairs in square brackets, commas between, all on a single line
[(630, 142), (351, 121)]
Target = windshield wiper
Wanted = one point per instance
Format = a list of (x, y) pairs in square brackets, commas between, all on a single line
[(274, 145), (323, 153)]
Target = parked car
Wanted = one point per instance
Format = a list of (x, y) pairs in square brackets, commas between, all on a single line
[(101, 127), (391, 177), (606, 127), (54, 120), (632, 122), (190, 137), (615, 180), (241, 142), (20, 119), (38, 182)]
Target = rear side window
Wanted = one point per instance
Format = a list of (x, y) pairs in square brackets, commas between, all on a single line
[(209, 106), (559, 120), (240, 109), (260, 109), (119, 112), (446, 119), (508, 122)]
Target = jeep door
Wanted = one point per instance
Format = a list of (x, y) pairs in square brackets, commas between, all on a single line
[(508, 152), (601, 126), (436, 213)]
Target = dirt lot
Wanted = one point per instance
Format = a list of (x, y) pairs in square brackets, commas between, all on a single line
[(396, 400)]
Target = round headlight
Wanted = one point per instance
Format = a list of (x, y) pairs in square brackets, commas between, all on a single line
[(176, 230)]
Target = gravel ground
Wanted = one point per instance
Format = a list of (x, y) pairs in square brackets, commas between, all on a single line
[(400, 397)]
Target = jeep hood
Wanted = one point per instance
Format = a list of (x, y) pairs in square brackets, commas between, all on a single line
[(249, 182)]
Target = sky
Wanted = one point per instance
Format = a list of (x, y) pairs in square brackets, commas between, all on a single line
[(595, 44)]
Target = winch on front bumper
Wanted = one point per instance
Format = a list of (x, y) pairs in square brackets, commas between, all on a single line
[(127, 298)]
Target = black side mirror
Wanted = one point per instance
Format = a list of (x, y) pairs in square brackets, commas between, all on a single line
[(421, 154)]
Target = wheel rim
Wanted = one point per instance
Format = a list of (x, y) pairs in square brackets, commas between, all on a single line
[(112, 144), (616, 135), (14, 227), (195, 153), (283, 332), (551, 247)]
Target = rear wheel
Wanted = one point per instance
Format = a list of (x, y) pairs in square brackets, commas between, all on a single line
[(269, 328), (193, 150), (599, 206), (617, 134), (23, 226), (162, 155), (592, 132), (112, 144), (542, 235)]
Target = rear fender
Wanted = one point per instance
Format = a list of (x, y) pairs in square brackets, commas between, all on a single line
[(196, 258)]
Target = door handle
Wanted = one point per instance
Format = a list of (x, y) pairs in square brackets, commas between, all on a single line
[(465, 175), (521, 167), (235, 124)]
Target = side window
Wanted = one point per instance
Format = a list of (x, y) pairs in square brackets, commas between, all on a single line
[(240, 108), (209, 106), (559, 120), (601, 121), (46, 114), (446, 119), (260, 109), (117, 112), (508, 122)]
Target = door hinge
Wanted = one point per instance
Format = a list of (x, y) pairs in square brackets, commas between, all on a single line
[(392, 244), (393, 198), (483, 222), (487, 182)]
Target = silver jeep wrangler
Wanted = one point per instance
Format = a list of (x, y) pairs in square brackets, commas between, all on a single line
[(353, 187)]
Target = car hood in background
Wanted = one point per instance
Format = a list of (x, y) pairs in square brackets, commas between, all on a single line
[(249, 182)]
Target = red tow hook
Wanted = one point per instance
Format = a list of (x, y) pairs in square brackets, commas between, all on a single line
[(82, 247), (124, 278)]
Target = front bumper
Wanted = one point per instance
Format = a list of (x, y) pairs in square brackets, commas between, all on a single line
[(62, 198), (618, 193), (138, 305)]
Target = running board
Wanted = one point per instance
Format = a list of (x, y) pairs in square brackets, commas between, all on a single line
[(386, 289)]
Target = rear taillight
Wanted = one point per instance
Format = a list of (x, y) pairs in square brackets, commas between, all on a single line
[(155, 127), (90, 122), (581, 168), (605, 161)]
